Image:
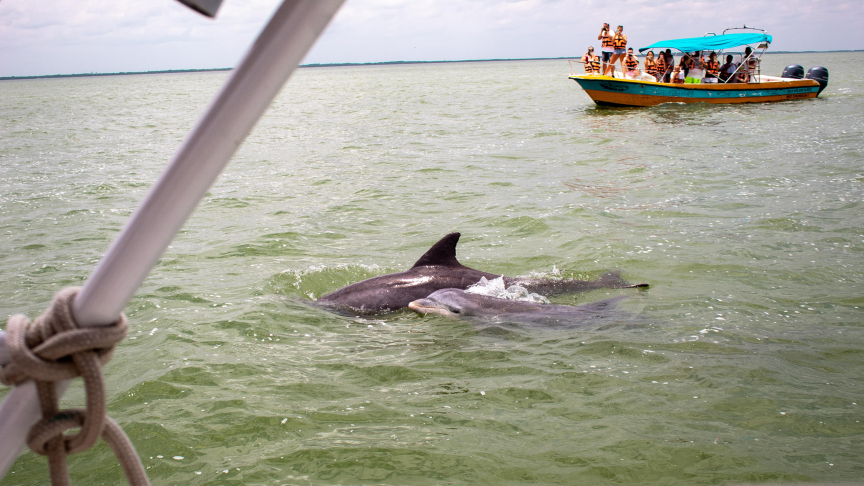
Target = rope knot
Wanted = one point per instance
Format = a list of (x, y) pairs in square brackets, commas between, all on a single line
[(45, 349)]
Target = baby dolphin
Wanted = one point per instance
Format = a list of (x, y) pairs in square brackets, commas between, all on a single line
[(439, 269), (459, 303)]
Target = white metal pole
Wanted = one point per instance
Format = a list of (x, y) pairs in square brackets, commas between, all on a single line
[(206, 151)]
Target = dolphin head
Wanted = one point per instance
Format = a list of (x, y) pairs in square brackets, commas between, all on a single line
[(446, 302)]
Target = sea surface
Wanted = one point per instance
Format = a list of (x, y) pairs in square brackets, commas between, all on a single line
[(743, 362)]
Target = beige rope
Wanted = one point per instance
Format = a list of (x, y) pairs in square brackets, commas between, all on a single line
[(54, 348)]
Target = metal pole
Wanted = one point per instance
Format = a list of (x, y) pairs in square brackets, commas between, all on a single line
[(251, 88)]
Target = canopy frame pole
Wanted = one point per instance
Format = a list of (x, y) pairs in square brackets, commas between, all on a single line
[(252, 86)]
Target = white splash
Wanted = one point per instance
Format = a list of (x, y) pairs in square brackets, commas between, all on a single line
[(496, 288)]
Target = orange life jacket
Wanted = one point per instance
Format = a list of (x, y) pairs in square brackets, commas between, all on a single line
[(607, 40), (661, 66), (713, 68), (620, 41), (592, 64), (631, 63), (651, 66)]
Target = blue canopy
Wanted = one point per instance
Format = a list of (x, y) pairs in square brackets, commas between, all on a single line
[(710, 43)]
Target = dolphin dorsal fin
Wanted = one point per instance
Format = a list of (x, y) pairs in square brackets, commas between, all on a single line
[(442, 253)]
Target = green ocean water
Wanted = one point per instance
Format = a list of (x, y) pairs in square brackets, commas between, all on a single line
[(743, 362)]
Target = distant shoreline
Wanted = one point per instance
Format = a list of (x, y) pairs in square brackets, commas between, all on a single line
[(346, 64)]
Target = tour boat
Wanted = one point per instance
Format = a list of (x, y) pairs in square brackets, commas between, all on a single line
[(617, 90)]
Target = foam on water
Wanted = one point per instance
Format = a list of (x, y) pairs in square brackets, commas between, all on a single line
[(497, 288)]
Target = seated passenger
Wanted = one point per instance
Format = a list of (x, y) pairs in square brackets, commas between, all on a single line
[(712, 69), (680, 72), (631, 65), (591, 62), (727, 69)]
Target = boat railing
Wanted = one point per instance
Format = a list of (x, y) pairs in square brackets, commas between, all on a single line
[(744, 28), (573, 73), (751, 64)]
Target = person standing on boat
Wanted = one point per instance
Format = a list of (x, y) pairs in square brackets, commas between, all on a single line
[(695, 72), (651, 65), (712, 69), (659, 66), (670, 65), (619, 42), (749, 66), (592, 62), (606, 45), (631, 65)]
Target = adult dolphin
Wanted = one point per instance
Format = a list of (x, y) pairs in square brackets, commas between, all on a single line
[(462, 304), (439, 269)]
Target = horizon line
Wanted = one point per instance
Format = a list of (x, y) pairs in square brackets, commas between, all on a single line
[(347, 64)]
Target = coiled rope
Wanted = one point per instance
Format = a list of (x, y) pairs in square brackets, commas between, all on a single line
[(54, 348)]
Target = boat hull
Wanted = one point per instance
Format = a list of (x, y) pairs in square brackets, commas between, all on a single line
[(608, 91)]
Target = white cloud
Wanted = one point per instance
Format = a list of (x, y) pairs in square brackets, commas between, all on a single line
[(70, 36)]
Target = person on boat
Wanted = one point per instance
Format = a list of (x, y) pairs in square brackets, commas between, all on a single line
[(619, 43), (680, 72), (631, 65), (670, 65), (659, 66), (651, 65), (727, 69), (695, 70), (591, 62), (712, 69), (749, 66), (606, 45)]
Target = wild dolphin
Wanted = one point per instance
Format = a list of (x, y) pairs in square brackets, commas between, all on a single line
[(439, 269), (459, 303)]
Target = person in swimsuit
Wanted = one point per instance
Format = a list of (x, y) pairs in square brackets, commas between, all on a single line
[(619, 41)]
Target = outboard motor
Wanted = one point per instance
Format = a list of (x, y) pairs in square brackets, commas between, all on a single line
[(793, 71), (820, 75)]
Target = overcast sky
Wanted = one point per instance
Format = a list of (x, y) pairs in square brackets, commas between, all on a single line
[(82, 36)]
